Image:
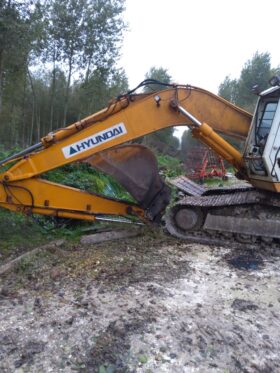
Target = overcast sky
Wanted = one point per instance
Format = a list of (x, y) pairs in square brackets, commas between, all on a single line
[(198, 41)]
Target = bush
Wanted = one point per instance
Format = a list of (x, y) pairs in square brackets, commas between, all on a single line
[(169, 166), (84, 177)]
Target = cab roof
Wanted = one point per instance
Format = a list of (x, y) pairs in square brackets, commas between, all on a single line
[(272, 92)]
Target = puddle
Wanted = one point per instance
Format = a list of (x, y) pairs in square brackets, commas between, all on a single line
[(246, 262)]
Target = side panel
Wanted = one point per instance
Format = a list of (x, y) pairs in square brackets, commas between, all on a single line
[(43, 197)]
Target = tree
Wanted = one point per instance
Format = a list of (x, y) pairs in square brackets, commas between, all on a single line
[(95, 93), (103, 32), (19, 34), (67, 25), (14, 40), (159, 74), (256, 71), (57, 63), (85, 36), (187, 143), (228, 89)]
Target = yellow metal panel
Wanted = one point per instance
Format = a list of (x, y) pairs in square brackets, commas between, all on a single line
[(41, 196), (266, 185)]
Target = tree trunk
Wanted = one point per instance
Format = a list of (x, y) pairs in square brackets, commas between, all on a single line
[(1, 79), (32, 122), (38, 124), (24, 130), (67, 90), (53, 93), (88, 70), (33, 107)]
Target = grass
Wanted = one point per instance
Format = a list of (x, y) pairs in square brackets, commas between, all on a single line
[(169, 166), (20, 233), (215, 182)]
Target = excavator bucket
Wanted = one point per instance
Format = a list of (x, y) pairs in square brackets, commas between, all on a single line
[(135, 168)]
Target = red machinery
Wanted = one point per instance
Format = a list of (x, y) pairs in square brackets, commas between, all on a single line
[(202, 163)]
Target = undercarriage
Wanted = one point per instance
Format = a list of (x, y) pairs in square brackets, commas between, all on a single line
[(221, 215)]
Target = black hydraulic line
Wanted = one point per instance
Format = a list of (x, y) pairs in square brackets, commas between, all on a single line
[(22, 153), (147, 82), (7, 187)]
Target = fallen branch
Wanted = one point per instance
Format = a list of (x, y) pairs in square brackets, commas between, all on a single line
[(108, 236), (10, 265)]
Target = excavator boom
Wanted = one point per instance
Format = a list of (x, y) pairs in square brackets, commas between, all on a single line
[(126, 119), (99, 140)]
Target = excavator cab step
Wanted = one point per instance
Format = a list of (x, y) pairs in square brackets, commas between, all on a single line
[(187, 186)]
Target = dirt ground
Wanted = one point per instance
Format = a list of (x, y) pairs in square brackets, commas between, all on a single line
[(145, 304)]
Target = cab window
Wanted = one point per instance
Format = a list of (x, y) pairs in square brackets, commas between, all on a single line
[(266, 120)]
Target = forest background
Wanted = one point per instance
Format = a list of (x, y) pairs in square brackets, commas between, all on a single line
[(59, 63)]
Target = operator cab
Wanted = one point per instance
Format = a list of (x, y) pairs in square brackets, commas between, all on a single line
[(262, 150)]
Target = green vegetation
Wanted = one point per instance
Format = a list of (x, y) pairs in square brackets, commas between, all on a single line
[(169, 166), (143, 359), (17, 229), (84, 177), (19, 232), (255, 72)]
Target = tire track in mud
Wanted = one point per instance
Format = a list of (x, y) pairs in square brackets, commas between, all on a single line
[(144, 305)]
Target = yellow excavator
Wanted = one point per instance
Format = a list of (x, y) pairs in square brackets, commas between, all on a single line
[(248, 213)]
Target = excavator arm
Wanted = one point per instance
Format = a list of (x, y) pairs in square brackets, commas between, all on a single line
[(99, 140)]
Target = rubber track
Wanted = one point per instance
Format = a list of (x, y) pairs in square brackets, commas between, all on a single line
[(236, 198), (233, 197)]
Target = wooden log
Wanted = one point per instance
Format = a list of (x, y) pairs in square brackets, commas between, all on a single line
[(108, 236)]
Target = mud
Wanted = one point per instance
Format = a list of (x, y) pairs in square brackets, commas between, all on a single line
[(146, 304)]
